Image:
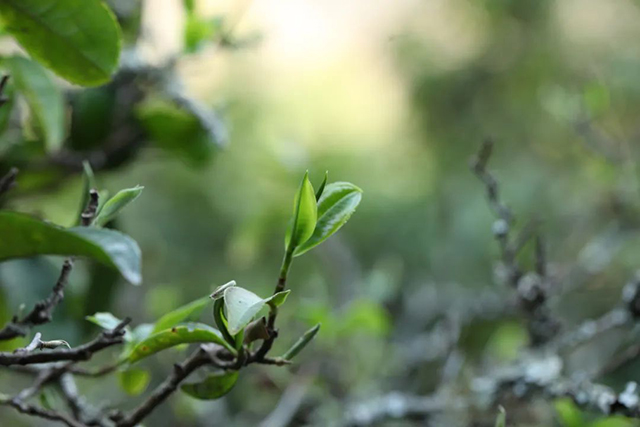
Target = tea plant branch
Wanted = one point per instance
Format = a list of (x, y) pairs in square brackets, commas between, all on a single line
[(84, 352), (264, 349), (532, 287), (94, 373), (39, 412), (78, 406), (43, 310), (180, 371)]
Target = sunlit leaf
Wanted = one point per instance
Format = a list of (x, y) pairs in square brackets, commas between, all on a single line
[(338, 202), (42, 95), (213, 387), (115, 204), (78, 39), (30, 237), (133, 380), (181, 314), (183, 334), (304, 215)]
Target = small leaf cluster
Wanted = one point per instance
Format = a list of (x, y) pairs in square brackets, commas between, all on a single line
[(236, 310), (318, 215)]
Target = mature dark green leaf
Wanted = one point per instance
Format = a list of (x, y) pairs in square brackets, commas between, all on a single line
[(213, 387), (181, 314), (78, 39), (183, 334), (43, 96), (115, 204), (304, 215), (30, 237), (338, 202), (133, 380)]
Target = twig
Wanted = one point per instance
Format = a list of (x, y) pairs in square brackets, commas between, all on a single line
[(83, 352), (41, 412), (163, 391), (99, 372), (80, 409)]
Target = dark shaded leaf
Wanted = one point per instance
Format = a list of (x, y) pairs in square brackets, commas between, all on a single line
[(213, 387), (30, 237)]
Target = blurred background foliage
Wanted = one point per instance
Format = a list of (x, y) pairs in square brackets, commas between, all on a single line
[(393, 96)]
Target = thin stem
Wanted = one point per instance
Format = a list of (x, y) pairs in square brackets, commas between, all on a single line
[(271, 322)]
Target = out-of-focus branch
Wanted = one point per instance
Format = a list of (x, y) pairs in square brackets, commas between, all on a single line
[(532, 288), (36, 411)]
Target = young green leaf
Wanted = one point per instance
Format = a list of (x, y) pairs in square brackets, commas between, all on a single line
[(276, 300), (134, 381), (338, 202), (104, 320), (301, 343), (181, 314), (304, 215), (30, 237), (241, 306), (183, 334), (115, 204), (322, 185), (42, 95), (213, 387), (78, 39)]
